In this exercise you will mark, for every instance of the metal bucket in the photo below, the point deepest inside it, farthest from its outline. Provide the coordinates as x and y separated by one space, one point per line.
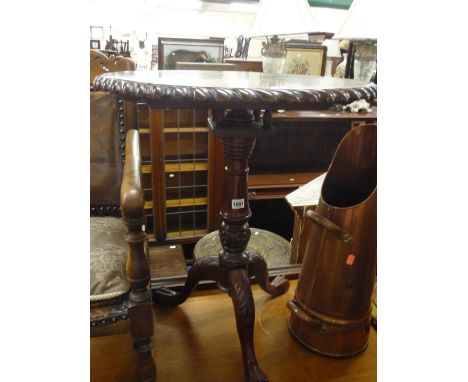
331 310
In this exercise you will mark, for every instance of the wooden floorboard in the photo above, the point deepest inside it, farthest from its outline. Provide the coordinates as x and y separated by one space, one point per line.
197 341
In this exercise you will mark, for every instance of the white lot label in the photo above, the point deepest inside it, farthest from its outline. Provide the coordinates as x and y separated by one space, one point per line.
237 204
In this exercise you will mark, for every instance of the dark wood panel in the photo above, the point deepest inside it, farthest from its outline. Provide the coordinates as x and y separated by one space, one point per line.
246 65
277 186
218 173
156 127
287 180
167 261
185 145
145 147
272 214
306 146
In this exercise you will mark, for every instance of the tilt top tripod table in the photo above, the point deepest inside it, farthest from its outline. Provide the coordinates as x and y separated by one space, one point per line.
236 99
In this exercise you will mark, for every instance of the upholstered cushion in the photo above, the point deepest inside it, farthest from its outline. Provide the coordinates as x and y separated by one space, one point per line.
108 258
275 250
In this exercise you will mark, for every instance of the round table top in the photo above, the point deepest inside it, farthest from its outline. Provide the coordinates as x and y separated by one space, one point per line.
232 89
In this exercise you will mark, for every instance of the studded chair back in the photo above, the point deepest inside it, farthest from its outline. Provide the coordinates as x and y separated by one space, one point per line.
110 118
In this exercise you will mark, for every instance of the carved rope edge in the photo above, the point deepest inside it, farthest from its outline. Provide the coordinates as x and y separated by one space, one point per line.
155 92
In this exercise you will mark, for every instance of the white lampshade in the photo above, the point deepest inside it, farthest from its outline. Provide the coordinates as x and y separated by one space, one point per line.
333 48
360 22
281 17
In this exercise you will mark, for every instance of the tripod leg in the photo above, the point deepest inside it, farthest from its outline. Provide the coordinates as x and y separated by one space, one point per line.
205 268
244 308
258 267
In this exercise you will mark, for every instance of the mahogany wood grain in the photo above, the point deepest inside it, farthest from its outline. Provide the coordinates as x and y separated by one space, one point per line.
218 173
137 270
157 154
213 207
190 335
202 89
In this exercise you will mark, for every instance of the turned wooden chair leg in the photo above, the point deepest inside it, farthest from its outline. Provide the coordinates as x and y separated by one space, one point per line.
244 308
140 311
141 328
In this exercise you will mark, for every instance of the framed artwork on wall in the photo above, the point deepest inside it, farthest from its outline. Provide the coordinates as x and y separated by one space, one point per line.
97 32
95 44
173 50
305 58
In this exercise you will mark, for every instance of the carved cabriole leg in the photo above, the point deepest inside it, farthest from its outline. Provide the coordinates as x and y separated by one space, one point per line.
244 308
139 305
206 268
258 268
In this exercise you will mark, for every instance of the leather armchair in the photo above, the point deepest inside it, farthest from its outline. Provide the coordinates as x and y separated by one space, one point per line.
119 267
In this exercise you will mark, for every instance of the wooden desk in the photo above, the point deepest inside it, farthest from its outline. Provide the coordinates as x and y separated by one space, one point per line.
187 339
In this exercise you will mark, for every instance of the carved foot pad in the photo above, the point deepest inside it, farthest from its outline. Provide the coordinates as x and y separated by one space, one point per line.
161 295
280 285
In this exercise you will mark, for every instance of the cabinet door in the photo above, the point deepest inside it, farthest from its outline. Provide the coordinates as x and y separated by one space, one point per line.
180 161
146 165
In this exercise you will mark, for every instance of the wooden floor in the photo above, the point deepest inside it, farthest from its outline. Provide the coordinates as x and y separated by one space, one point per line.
197 341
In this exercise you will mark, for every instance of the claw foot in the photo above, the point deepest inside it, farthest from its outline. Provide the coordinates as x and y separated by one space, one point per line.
163 295
164 291
280 284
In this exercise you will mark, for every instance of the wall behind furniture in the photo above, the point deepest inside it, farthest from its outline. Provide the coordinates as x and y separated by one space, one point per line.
189 18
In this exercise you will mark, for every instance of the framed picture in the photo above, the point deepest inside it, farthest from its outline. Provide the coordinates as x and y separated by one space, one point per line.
173 50
305 58
97 33
95 44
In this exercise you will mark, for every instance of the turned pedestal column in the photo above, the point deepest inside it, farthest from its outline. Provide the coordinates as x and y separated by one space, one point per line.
234 265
